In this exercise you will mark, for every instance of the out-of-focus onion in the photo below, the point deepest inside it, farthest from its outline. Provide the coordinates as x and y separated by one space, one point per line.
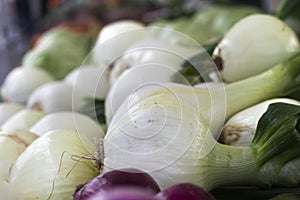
21 82
23 120
93 80
7 110
115 38
12 144
57 96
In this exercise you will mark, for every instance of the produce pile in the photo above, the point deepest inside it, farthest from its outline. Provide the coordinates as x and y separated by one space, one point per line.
163 111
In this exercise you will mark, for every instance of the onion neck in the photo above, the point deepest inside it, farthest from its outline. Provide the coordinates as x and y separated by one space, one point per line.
270 84
231 166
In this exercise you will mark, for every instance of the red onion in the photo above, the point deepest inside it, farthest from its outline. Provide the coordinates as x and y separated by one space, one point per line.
184 191
123 177
124 193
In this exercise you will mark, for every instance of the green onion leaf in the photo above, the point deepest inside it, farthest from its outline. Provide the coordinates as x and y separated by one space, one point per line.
277 131
286 8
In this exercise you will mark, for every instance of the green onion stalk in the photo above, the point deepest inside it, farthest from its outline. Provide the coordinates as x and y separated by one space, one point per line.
167 132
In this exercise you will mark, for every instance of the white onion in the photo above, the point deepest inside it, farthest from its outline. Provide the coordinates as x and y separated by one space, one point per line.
6 191
240 129
89 131
12 144
93 80
131 80
21 81
115 38
152 50
7 110
23 120
149 61
57 96
253 45
52 167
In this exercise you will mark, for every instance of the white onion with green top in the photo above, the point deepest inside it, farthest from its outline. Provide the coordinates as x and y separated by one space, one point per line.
170 131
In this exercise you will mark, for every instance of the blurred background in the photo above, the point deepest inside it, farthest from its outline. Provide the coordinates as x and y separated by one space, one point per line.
22 20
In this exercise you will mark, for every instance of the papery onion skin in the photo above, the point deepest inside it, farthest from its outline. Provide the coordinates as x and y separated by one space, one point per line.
117 178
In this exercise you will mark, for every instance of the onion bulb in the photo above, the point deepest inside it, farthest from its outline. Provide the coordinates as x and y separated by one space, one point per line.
23 120
21 81
56 96
12 144
253 45
131 80
116 179
152 50
93 80
89 131
115 38
184 191
240 129
52 167
149 61
7 110
124 193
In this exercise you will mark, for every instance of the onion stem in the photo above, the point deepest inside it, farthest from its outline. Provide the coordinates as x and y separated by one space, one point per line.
270 84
